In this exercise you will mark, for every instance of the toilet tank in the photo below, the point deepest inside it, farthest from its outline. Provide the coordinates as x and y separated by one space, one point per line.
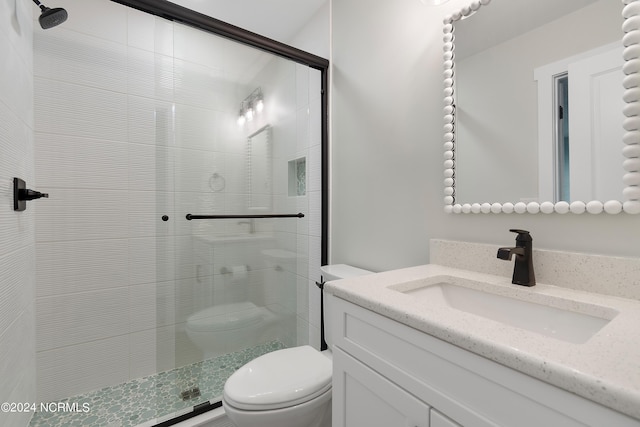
336 272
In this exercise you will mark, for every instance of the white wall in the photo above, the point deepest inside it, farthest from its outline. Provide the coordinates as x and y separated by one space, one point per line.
383 102
17 259
387 180
314 35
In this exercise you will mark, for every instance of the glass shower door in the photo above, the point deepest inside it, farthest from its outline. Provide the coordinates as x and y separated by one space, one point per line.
238 279
140 312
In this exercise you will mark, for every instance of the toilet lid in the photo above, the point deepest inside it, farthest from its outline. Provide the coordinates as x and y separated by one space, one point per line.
225 317
279 379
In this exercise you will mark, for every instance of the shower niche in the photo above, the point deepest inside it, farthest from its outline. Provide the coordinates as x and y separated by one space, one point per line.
298 177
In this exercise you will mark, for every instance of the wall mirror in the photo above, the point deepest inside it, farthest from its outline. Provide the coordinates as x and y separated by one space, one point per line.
541 107
259 166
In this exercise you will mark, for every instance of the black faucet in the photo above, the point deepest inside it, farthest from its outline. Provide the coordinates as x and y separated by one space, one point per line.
523 268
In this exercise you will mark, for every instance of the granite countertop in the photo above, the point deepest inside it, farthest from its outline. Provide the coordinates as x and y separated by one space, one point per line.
604 369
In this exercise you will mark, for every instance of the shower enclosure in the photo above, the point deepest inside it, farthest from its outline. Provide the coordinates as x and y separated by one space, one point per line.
186 221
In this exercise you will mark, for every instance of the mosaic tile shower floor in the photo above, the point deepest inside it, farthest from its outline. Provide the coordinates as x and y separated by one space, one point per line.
152 397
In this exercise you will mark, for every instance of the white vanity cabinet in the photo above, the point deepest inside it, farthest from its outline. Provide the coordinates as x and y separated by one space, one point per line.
387 374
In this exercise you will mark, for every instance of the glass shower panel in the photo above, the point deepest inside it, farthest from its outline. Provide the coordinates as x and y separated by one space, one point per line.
240 285
140 311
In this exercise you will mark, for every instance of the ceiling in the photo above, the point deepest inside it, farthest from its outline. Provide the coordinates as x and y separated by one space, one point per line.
504 20
277 19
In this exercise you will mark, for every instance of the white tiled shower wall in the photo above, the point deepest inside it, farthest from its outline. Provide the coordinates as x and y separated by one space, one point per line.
110 134
17 281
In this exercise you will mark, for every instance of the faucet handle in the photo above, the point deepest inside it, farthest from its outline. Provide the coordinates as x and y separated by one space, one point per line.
523 235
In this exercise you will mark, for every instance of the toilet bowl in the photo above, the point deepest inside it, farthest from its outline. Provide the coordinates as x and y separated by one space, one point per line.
226 328
286 388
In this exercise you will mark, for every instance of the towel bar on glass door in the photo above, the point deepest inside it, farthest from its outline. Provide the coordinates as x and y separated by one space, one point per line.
190 216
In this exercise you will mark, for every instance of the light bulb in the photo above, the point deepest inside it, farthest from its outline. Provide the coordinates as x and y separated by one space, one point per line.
259 105
241 120
249 114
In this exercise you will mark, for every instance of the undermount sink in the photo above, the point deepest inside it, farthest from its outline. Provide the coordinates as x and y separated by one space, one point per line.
559 323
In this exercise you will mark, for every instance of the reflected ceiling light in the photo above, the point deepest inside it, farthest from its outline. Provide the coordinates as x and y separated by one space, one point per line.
250 106
433 2
241 119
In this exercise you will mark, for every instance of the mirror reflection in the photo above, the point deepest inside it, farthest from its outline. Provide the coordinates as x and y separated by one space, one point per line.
538 102
259 170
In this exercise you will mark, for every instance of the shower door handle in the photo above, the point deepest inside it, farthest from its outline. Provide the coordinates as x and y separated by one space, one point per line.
191 216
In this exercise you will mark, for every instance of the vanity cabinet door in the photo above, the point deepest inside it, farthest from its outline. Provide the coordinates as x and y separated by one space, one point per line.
362 397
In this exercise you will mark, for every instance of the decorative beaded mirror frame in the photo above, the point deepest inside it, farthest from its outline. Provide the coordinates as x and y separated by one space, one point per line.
631 125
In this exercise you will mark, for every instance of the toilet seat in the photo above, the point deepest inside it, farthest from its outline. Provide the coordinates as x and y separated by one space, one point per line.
279 379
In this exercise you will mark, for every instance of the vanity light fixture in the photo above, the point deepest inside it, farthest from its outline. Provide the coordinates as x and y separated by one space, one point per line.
250 106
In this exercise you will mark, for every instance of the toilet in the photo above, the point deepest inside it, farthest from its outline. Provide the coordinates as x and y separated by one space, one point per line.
289 387
225 328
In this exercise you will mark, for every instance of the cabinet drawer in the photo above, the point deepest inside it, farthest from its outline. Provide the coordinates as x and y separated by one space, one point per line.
469 389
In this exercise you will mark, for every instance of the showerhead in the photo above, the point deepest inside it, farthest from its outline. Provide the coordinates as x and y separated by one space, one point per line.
49 18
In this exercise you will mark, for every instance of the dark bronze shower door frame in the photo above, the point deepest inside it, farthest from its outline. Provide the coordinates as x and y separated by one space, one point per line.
177 13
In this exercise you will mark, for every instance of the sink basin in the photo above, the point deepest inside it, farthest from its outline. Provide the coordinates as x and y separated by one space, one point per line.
234 238
562 324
